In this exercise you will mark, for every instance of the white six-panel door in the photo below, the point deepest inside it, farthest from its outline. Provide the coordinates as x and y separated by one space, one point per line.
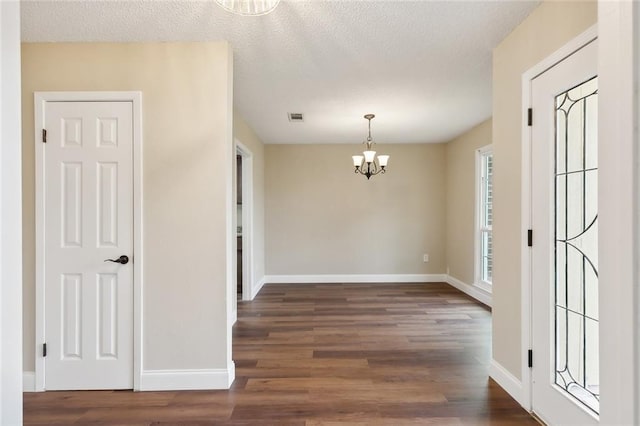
88 218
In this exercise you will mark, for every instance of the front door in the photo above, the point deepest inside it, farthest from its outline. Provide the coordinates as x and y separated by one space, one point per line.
564 146
88 245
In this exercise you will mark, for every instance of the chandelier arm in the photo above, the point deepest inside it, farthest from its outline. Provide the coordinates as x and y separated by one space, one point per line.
367 173
372 169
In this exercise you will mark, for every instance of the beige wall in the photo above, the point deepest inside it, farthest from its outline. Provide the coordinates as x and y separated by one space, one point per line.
461 199
321 218
187 154
245 135
548 28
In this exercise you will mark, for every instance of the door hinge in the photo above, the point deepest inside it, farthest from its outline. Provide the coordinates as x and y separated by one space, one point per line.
530 237
44 135
44 349
530 117
530 358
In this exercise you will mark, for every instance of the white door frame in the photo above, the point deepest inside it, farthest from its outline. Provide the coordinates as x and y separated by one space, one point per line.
580 41
10 216
247 220
40 100
618 211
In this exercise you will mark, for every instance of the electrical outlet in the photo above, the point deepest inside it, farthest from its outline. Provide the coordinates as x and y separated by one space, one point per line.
425 258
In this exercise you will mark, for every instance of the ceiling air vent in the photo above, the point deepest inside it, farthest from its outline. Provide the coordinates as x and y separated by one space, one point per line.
296 117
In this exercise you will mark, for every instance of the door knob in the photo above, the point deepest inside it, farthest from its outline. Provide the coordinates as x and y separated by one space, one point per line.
122 259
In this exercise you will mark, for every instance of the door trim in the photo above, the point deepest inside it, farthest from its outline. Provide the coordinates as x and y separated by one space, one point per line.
248 279
526 203
40 101
618 105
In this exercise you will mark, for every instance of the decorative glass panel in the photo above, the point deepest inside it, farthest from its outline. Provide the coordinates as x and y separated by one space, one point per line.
576 243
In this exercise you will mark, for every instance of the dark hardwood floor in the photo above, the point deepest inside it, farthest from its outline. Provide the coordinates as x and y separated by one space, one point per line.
331 354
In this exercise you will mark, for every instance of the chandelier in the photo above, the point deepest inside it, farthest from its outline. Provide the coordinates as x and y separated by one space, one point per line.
248 7
374 165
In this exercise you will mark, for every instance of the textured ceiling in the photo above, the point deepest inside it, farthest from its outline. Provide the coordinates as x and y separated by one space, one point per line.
423 67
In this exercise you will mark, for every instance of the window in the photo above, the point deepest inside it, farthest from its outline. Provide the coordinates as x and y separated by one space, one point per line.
484 218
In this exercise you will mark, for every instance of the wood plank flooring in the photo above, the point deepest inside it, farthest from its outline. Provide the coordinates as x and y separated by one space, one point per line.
330 354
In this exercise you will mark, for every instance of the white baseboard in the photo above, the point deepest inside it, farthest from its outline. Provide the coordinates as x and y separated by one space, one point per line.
507 381
28 381
476 292
354 278
160 380
234 316
157 380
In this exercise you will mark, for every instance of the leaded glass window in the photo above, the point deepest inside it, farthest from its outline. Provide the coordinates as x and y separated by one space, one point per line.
576 243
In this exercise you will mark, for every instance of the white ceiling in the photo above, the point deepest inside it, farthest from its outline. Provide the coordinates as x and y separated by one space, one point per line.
423 67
